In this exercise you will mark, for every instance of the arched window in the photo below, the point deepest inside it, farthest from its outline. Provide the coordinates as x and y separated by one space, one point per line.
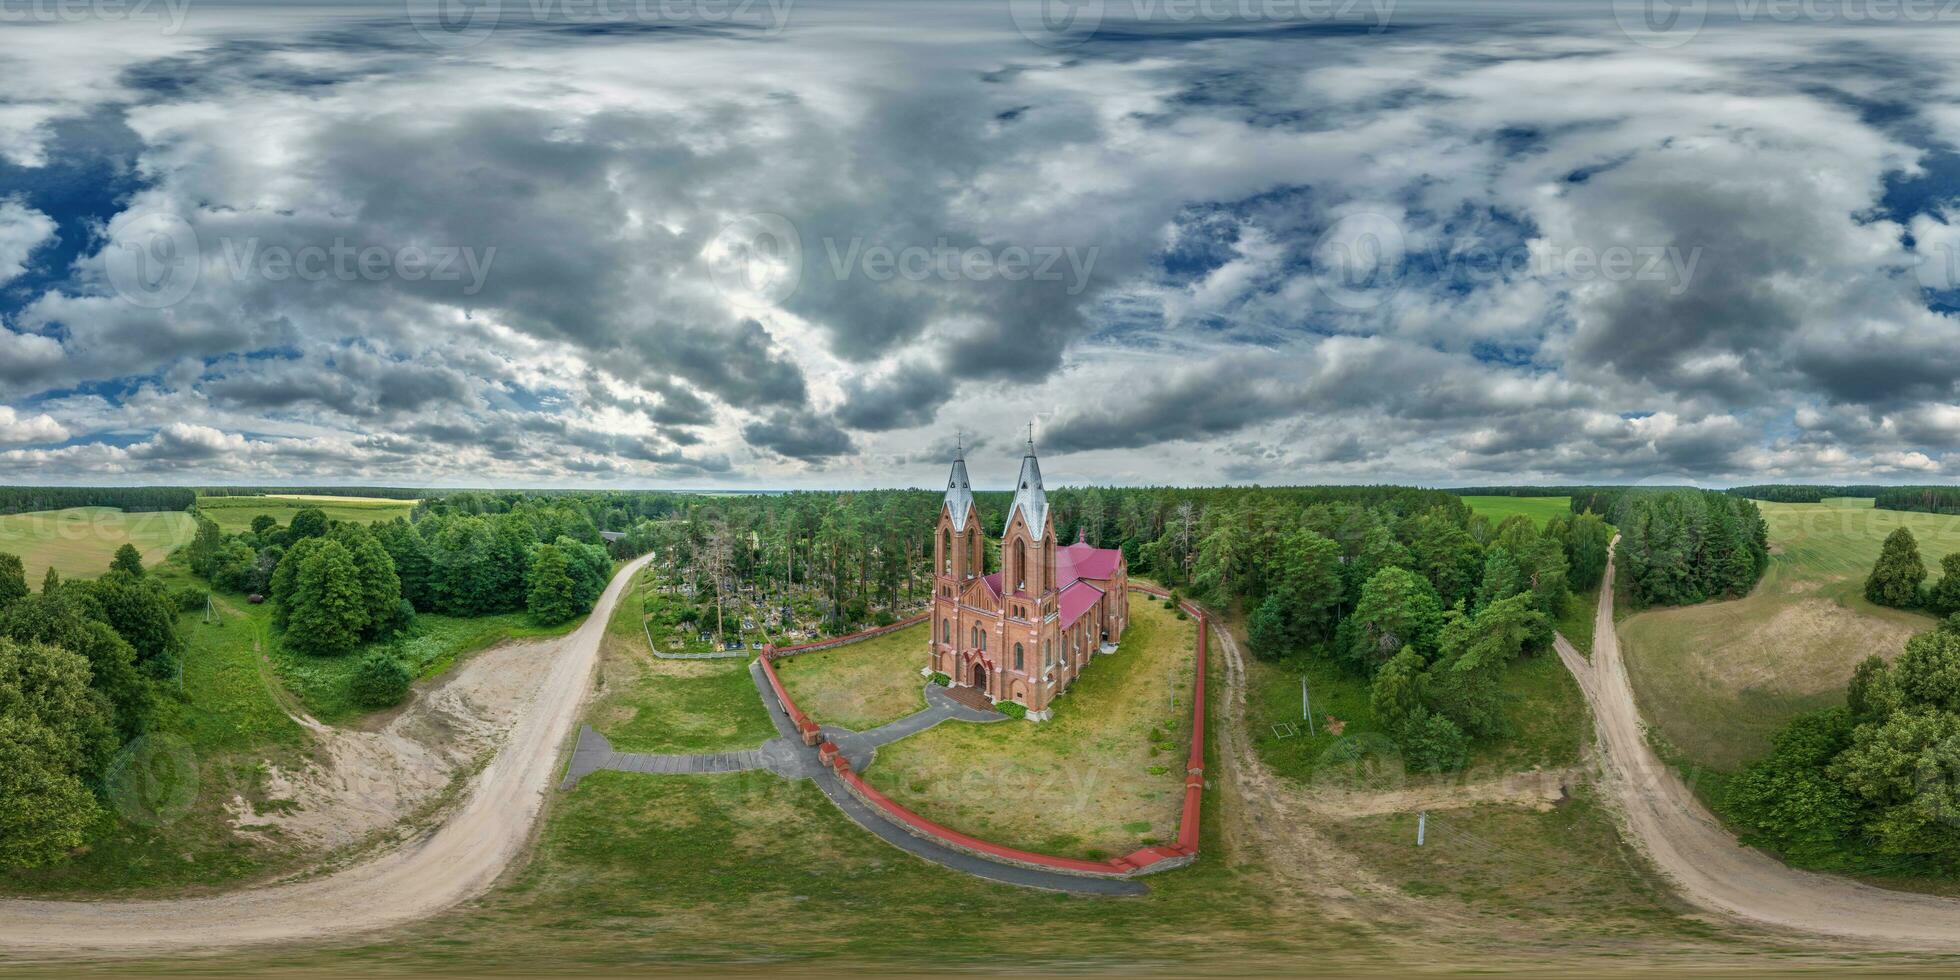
975 641
983 641
1020 571
1018 665
1047 652
946 631
946 551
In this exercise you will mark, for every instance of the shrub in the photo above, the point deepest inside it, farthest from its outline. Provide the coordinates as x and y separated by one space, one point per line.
380 681
1432 743
942 680
190 598
1012 709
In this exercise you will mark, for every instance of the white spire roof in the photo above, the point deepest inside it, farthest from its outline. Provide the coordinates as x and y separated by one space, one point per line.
959 493
1029 496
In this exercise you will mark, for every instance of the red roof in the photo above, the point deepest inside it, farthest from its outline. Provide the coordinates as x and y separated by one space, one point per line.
1083 561
1078 598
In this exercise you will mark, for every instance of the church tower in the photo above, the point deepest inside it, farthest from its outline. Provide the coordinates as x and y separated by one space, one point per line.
1027 544
958 552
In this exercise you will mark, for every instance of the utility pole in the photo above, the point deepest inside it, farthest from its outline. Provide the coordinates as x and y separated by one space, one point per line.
1306 705
1422 825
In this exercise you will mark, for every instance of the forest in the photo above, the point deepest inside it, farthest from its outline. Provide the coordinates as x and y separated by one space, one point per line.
23 500
1679 547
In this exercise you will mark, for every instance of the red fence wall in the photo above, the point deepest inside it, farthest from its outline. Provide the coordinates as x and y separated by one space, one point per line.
1159 858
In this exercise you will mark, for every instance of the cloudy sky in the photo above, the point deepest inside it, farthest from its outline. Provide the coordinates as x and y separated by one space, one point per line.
742 243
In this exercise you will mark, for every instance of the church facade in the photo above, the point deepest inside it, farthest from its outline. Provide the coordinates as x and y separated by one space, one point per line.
1023 633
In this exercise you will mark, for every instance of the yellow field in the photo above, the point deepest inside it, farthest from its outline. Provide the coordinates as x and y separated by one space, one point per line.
235 513
80 541
1101 778
1718 679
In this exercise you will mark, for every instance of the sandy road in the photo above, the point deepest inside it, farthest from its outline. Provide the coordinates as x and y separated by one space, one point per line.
1705 861
456 862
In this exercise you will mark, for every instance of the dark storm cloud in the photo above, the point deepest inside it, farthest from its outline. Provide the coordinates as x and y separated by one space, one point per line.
799 436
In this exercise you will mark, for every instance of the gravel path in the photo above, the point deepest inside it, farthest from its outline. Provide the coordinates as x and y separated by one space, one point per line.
457 861
1704 860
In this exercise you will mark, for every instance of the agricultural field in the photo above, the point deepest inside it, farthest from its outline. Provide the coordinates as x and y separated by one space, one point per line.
1716 680
80 541
235 514
1105 775
1539 509
863 685
645 704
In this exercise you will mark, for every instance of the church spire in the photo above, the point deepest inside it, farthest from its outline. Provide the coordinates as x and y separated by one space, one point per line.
1029 496
959 492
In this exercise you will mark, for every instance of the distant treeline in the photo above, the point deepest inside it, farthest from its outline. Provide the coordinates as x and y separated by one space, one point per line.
1930 500
21 500
1807 493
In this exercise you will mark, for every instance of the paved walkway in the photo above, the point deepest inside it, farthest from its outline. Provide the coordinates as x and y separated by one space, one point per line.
788 757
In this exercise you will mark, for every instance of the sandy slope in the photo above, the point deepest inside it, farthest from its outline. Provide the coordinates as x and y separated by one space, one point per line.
458 861
1707 864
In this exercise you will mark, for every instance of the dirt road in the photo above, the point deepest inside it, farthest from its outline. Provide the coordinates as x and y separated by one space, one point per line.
456 862
1705 861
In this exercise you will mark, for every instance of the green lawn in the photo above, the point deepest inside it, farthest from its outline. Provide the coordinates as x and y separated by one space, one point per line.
1539 509
646 704
863 685
227 719
1718 679
80 542
235 514
1105 775
1565 870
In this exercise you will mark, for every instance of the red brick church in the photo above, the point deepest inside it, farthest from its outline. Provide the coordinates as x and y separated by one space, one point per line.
1026 632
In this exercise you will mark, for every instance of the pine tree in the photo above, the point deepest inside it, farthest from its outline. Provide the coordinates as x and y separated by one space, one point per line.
51 581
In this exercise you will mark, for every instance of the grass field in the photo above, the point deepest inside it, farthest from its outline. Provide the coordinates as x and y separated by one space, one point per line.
1539 509
225 718
235 514
1718 679
645 704
1104 775
863 685
80 542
